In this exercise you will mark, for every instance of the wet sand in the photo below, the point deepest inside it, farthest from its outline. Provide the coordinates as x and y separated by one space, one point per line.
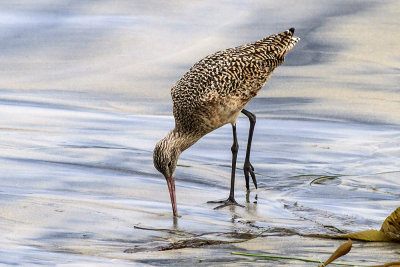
78 186
85 96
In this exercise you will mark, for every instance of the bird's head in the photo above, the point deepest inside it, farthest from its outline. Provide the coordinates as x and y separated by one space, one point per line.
165 158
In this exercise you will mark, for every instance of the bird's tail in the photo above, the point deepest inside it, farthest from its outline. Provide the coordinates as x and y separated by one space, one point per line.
280 44
293 41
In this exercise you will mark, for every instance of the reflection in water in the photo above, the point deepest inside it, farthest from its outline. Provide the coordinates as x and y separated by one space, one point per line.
175 219
66 169
77 173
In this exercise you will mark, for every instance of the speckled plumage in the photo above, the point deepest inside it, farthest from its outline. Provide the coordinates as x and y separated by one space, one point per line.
215 90
213 93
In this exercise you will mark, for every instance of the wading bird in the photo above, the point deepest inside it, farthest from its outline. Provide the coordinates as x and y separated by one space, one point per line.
213 93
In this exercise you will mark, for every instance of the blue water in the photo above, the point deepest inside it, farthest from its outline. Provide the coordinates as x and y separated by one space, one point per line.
85 97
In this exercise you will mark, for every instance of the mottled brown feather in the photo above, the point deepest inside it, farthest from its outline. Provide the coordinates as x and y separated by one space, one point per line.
214 91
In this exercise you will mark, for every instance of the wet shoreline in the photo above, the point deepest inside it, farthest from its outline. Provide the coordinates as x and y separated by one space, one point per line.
85 95
66 170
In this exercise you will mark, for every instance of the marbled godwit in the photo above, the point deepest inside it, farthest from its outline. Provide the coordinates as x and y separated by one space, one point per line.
213 93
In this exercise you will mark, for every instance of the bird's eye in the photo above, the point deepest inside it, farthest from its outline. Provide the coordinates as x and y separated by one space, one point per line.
169 164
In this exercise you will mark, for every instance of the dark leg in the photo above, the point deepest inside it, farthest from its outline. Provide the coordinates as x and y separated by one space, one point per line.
248 168
231 199
234 149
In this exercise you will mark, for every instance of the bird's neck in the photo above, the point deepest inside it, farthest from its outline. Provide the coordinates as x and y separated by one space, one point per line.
182 140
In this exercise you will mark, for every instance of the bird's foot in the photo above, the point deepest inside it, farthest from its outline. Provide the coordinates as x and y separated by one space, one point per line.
224 203
248 170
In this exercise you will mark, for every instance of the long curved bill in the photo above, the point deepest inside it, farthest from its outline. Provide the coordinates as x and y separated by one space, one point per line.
171 188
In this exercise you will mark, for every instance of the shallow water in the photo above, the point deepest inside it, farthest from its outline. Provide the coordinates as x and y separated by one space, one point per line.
76 182
85 98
